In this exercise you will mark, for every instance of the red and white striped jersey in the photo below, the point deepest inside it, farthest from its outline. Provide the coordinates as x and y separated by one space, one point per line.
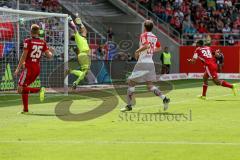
148 38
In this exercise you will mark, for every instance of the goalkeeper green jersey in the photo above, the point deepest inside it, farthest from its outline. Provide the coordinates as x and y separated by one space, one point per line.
82 43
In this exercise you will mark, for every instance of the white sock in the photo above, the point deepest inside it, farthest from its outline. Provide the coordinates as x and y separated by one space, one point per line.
130 92
157 92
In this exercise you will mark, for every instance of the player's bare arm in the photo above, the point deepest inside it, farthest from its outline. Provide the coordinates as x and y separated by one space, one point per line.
83 31
139 50
157 50
49 53
192 60
72 24
21 62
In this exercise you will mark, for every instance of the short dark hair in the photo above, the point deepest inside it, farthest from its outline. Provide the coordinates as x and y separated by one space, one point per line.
148 24
200 43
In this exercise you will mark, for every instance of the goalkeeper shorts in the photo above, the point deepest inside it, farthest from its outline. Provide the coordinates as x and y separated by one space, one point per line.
84 60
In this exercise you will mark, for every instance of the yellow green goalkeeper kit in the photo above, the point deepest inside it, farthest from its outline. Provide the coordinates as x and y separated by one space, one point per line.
83 58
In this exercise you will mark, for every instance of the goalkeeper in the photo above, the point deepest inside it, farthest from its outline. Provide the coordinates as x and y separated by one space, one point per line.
82 51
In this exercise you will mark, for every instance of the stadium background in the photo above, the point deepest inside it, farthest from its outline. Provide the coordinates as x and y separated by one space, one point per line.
178 25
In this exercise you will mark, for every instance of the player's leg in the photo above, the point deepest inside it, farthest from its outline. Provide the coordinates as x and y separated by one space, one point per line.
85 62
23 80
27 77
163 69
24 99
226 84
222 83
168 69
213 72
151 87
204 86
32 77
130 92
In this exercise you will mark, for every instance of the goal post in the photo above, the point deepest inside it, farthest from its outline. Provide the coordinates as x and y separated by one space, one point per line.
54 29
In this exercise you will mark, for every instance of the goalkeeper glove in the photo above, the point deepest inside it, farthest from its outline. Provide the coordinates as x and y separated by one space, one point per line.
79 22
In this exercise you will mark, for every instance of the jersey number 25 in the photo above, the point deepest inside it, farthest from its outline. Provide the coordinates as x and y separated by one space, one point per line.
37 51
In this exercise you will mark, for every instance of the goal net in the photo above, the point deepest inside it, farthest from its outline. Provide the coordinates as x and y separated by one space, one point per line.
14 28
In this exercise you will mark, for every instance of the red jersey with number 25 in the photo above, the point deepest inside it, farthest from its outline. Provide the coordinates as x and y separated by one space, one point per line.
35 48
205 54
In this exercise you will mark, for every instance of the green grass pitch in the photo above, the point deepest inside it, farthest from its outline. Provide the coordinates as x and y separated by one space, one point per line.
212 133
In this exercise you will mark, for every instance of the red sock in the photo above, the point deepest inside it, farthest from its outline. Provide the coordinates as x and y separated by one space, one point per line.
204 91
226 84
25 102
30 90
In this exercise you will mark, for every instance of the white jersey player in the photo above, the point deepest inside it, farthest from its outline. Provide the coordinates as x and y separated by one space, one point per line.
144 70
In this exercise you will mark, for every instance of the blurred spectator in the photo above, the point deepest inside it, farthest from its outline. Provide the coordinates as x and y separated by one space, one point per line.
210 16
185 8
178 3
211 4
180 14
168 12
228 3
159 10
220 4
110 34
197 37
176 22
231 41
147 4
226 30
186 23
236 31
207 40
219 25
202 28
237 22
100 52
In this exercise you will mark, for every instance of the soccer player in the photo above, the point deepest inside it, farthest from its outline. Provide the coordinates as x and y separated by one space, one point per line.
207 56
144 70
33 50
82 53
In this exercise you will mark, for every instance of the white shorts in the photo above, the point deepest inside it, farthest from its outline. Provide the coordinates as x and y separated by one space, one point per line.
143 72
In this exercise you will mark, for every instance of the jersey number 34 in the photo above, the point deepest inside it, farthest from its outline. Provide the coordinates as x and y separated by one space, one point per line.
207 53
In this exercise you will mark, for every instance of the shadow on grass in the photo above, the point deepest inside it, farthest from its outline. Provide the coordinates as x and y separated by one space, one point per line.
14 100
225 100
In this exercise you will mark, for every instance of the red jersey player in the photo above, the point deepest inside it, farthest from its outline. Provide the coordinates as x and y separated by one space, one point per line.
34 48
207 56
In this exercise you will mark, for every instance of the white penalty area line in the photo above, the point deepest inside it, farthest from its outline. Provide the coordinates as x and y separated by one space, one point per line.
119 142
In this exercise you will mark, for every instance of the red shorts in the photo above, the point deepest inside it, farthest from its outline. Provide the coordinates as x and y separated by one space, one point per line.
29 75
211 71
